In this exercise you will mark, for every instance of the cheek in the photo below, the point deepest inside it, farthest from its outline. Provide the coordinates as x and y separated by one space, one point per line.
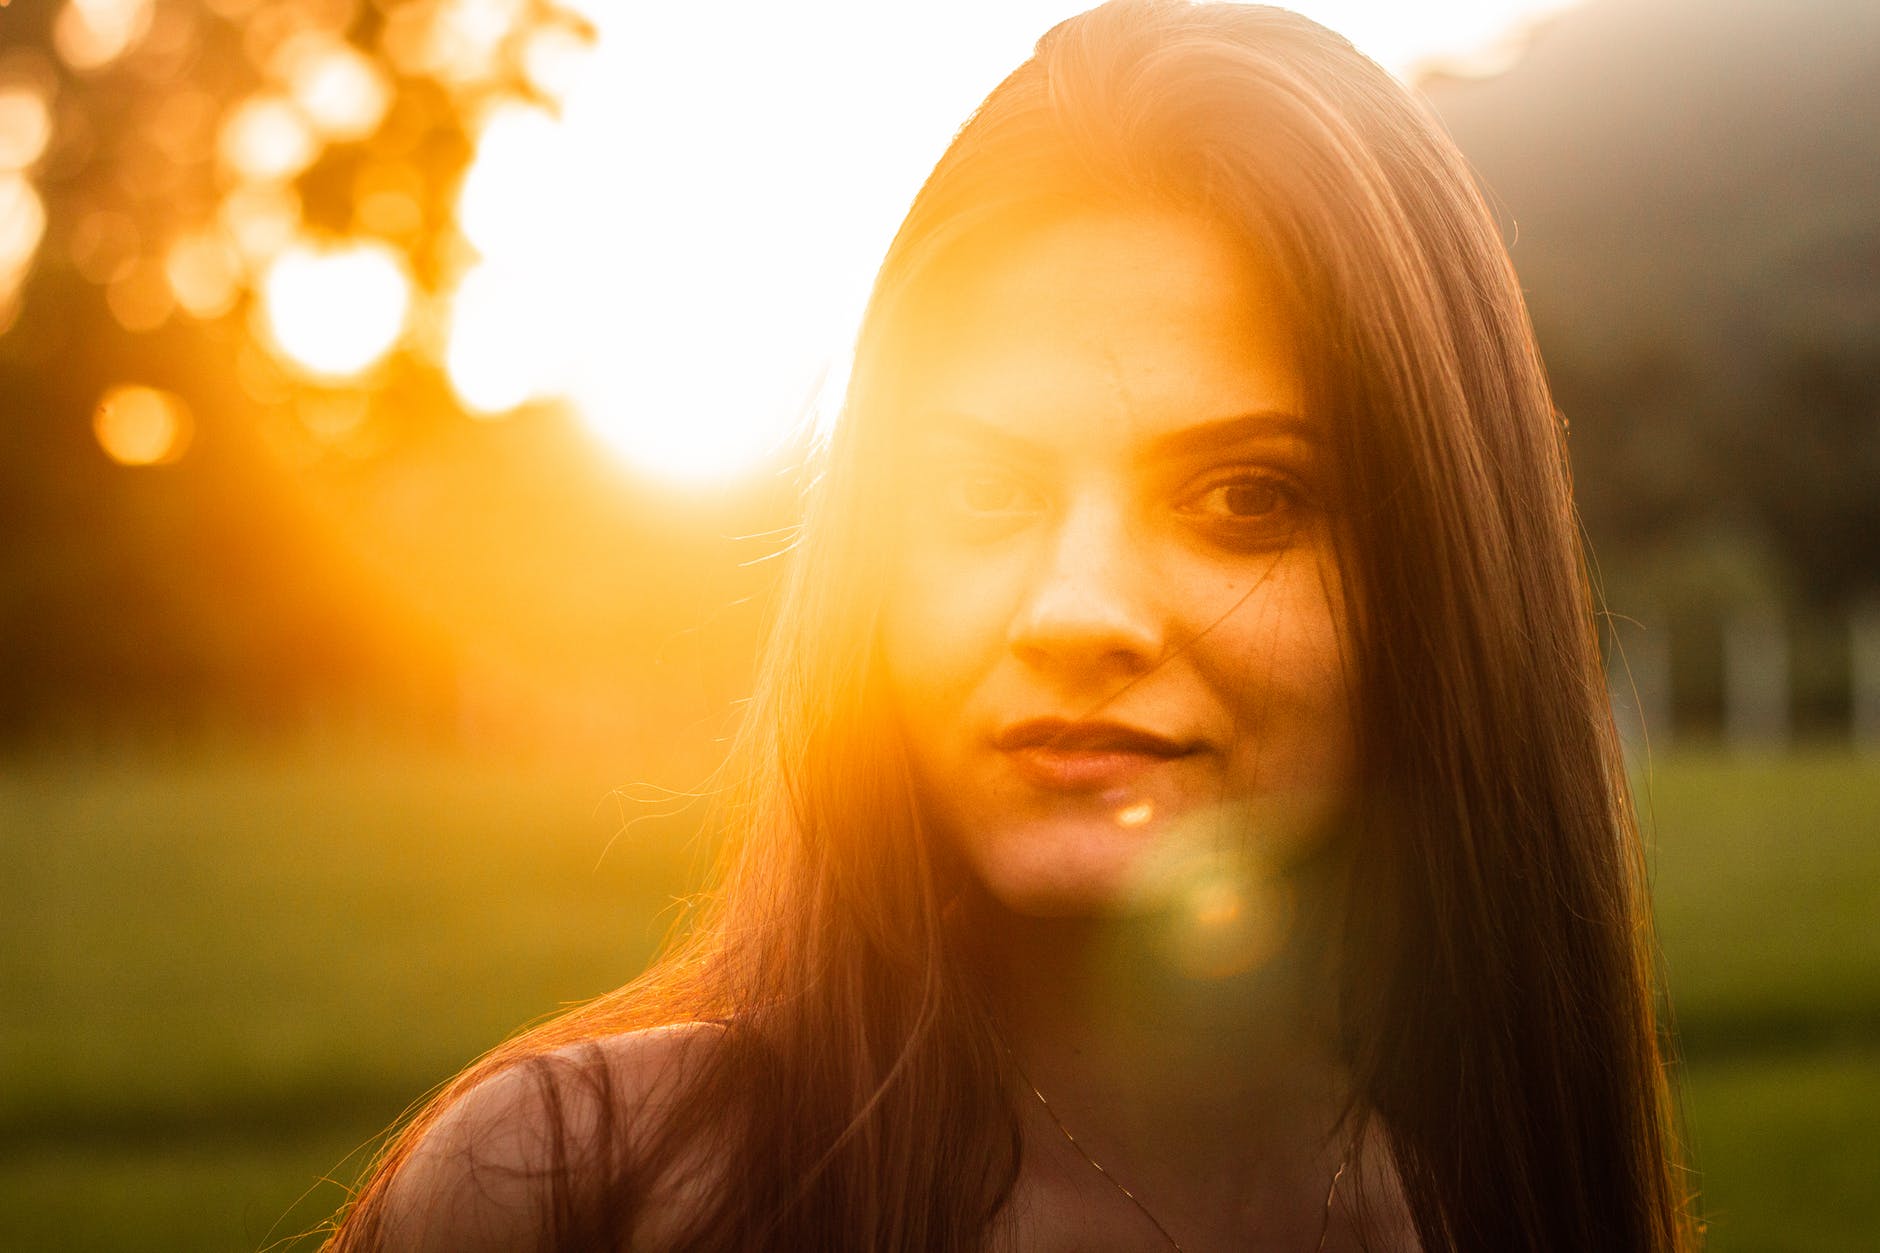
1282 664
943 627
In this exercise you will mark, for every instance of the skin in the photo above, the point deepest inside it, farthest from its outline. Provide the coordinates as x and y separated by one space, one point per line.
1116 512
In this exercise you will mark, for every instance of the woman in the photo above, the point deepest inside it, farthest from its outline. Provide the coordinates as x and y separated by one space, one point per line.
1180 808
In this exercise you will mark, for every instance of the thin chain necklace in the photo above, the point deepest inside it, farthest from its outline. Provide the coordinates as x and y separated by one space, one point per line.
1331 1193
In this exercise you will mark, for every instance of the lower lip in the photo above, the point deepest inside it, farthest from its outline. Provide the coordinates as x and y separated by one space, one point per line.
1082 770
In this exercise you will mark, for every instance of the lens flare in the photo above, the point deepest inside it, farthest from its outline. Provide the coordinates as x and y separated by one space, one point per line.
141 426
335 311
1230 921
1136 814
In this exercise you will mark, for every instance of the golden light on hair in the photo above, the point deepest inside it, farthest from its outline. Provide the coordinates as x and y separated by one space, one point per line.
335 311
204 273
339 90
25 125
141 426
90 34
265 138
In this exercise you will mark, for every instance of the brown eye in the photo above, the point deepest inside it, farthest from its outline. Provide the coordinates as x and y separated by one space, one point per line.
1248 508
1248 498
1252 498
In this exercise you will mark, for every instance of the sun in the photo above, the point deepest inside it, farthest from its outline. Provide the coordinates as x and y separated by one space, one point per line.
678 244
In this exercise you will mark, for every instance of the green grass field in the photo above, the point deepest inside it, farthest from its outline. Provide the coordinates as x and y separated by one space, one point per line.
223 976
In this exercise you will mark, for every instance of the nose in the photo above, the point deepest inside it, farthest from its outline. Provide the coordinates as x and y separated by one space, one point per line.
1087 612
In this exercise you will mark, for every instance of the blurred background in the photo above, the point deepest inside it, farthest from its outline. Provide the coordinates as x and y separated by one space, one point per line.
400 407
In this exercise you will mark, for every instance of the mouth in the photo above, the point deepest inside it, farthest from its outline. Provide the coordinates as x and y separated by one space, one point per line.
1062 755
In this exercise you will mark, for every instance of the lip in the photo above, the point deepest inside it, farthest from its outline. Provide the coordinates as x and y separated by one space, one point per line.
1084 756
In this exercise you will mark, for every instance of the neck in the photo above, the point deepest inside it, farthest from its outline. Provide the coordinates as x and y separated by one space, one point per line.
1196 1073
1129 1004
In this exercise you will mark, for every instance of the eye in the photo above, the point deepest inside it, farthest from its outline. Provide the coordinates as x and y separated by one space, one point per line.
978 501
1248 495
1248 498
1248 506
984 492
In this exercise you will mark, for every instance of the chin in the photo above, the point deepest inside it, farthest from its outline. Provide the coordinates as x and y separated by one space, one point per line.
1095 878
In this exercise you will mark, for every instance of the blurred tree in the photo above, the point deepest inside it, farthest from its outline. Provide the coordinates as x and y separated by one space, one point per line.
189 143
1689 192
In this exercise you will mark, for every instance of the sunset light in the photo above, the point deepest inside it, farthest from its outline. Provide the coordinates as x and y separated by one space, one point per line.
661 222
680 241
1197 756
336 311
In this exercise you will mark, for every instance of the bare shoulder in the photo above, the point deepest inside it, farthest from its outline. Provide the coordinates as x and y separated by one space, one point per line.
492 1172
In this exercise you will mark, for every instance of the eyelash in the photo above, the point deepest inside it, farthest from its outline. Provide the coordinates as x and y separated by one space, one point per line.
1291 494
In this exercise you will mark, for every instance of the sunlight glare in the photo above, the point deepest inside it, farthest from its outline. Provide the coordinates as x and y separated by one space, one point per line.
336 310
699 221
1459 36
501 352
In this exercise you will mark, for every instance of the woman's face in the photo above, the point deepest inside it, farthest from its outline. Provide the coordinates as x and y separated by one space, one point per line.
1114 632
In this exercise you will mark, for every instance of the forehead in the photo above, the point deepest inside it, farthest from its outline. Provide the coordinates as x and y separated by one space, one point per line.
1101 328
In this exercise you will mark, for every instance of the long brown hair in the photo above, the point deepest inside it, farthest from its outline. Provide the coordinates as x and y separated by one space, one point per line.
1496 990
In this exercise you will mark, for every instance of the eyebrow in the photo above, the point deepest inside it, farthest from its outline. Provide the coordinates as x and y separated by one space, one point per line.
1196 440
1241 428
